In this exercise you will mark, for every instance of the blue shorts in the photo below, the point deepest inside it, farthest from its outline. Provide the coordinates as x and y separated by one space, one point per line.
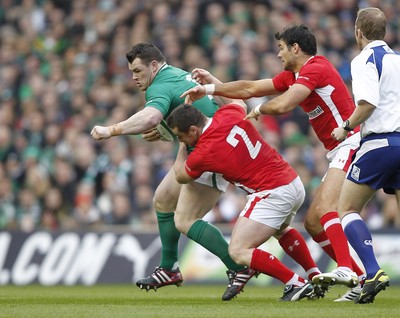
377 162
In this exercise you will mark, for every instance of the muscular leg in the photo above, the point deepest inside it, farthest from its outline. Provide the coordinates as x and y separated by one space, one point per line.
352 201
167 193
321 211
195 200
165 200
294 244
325 200
247 235
190 202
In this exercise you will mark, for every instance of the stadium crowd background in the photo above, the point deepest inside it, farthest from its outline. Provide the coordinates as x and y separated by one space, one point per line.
63 69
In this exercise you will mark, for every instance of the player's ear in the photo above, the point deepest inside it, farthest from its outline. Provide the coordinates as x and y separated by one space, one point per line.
359 34
194 130
154 66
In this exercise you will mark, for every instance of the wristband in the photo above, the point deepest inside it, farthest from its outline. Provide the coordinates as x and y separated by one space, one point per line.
209 89
115 130
257 109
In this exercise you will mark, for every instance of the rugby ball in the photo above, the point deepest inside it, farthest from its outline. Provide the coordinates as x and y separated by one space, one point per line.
165 133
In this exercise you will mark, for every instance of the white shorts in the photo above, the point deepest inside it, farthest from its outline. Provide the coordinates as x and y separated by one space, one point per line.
341 156
213 180
277 206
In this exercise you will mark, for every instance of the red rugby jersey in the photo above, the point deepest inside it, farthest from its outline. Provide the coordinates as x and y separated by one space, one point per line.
329 103
234 148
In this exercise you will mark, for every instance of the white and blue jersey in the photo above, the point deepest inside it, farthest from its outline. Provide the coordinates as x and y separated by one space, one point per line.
376 80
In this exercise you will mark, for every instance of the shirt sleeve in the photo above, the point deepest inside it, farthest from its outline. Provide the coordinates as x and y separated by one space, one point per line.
159 98
200 160
281 81
365 82
309 76
193 165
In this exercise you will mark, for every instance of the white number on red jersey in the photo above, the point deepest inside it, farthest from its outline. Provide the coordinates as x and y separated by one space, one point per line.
232 140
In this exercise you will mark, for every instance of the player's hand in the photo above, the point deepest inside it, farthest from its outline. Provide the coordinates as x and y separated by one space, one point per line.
202 76
100 132
194 94
339 134
151 135
252 114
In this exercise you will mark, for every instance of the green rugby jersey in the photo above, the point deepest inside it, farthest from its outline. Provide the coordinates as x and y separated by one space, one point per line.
170 82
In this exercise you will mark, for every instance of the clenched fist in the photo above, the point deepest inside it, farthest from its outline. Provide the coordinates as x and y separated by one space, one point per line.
100 132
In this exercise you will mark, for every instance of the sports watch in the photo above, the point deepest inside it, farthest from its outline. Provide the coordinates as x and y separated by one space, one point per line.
346 125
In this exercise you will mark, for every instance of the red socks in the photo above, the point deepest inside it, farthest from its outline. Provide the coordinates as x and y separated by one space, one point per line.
294 244
268 264
339 245
325 244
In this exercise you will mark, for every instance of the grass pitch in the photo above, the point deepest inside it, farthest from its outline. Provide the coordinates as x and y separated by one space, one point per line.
189 301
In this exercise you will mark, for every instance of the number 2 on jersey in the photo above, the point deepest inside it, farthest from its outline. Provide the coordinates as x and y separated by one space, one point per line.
232 140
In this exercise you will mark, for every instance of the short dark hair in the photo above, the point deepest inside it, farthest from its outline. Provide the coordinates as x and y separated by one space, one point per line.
184 116
147 52
301 35
372 23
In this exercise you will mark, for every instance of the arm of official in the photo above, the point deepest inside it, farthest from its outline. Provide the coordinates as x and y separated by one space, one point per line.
362 112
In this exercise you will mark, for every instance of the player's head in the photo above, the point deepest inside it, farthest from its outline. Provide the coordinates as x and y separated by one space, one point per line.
187 123
144 60
370 25
147 52
301 35
293 42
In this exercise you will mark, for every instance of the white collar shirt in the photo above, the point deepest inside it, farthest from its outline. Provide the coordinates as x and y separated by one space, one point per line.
376 79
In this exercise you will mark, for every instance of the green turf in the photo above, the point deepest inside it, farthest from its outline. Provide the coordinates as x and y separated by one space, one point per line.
189 301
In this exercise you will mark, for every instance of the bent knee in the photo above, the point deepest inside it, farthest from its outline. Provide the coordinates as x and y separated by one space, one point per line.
164 202
183 223
312 224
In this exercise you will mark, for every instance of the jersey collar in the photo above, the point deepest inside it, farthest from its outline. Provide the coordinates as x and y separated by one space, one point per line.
207 124
163 67
296 75
374 43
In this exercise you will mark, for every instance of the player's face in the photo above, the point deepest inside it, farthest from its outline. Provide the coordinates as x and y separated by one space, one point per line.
142 74
190 138
286 55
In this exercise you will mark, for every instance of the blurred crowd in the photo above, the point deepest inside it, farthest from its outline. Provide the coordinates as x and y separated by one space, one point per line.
63 69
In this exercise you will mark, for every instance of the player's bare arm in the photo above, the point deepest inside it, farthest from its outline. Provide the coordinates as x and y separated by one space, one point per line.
138 123
179 165
362 112
203 77
282 104
237 90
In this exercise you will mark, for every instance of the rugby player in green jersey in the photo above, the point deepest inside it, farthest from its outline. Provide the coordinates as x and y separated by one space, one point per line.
179 208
